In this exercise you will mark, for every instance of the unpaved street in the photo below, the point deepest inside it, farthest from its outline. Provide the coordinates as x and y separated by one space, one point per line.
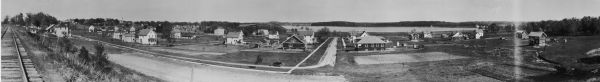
180 72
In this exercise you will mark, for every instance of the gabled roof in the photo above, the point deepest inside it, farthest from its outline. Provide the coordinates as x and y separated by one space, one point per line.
458 34
371 39
537 34
356 33
293 37
306 33
144 32
233 35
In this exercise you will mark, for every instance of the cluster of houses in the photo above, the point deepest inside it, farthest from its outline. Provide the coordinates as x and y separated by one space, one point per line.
263 37
185 31
57 30
362 41
132 34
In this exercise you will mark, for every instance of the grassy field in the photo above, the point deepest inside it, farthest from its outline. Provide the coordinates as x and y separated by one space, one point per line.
231 53
566 54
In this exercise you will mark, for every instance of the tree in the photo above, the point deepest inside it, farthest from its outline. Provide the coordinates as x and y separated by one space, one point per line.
100 59
83 55
6 20
323 34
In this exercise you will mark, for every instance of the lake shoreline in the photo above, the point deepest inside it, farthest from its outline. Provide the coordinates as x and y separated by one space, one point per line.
383 29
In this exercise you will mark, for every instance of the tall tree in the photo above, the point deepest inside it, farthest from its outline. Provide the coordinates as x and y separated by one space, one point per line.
6 20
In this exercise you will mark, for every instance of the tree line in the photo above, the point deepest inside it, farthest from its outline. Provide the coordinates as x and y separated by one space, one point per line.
35 19
401 24
566 27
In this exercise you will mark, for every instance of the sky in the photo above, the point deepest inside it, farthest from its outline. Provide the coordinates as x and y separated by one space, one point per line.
308 10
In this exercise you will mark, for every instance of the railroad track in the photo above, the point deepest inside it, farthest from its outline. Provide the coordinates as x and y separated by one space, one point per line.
16 66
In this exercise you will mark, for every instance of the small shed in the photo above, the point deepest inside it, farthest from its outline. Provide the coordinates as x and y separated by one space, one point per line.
537 38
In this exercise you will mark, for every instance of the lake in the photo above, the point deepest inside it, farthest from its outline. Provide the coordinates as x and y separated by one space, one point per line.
383 29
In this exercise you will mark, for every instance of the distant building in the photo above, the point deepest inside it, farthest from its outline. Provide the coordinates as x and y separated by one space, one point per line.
274 35
147 36
176 33
262 32
356 34
416 36
117 35
293 42
479 33
62 32
219 31
459 36
368 43
427 34
308 36
188 35
92 28
538 38
522 34
131 30
129 37
234 38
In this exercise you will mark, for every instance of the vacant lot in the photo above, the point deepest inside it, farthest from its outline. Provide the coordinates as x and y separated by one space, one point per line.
404 58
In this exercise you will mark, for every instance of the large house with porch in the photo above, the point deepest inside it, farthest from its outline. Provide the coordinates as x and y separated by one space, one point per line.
146 36
308 36
356 34
370 43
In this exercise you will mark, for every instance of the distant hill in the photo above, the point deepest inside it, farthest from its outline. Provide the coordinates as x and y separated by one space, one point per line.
407 24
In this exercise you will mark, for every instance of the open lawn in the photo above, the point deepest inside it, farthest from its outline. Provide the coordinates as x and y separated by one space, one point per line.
225 53
404 58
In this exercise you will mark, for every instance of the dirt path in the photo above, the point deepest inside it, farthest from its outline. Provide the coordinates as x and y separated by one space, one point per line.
181 72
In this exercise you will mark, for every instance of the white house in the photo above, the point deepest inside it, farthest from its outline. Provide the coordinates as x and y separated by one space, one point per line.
146 36
262 32
91 28
117 35
459 36
129 37
131 30
427 34
62 32
308 36
479 33
273 35
176 33
219 31
234 38
116 28
416 37
357 34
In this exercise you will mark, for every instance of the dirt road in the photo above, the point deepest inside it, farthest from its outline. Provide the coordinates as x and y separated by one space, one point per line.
181 72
